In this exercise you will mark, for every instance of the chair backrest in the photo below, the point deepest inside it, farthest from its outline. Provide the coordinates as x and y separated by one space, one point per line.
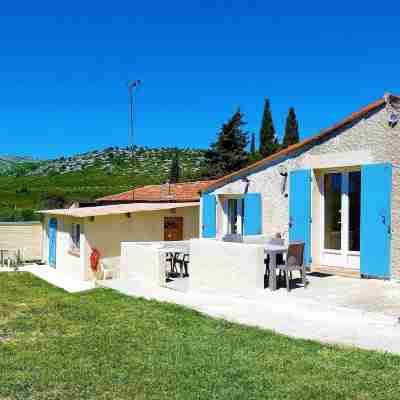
233 238
295 254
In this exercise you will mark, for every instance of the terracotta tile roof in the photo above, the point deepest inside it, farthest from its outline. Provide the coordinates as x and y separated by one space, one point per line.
311 140
178 192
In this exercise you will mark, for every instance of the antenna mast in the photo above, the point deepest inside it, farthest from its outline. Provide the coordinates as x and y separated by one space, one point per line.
132 85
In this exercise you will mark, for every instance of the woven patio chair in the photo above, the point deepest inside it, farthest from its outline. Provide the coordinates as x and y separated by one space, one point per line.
294 262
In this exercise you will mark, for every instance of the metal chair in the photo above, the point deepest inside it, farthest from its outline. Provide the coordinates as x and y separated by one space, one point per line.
183 261
294 262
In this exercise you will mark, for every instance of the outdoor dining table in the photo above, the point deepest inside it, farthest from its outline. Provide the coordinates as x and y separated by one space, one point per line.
273 250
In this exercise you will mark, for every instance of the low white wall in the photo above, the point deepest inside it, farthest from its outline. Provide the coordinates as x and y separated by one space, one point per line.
235 267
143 262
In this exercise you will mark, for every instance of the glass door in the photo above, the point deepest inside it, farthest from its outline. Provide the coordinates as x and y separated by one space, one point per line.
341 219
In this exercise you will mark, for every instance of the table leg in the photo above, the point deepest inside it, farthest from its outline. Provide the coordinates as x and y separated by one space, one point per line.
272 271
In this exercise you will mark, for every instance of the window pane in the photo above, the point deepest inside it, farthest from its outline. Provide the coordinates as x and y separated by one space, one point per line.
333 211
232 216
354 210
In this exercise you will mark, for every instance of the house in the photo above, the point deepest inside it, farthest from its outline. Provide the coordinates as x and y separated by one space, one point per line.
149 213
337 191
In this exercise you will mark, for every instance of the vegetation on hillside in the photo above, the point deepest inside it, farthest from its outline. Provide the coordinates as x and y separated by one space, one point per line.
89 176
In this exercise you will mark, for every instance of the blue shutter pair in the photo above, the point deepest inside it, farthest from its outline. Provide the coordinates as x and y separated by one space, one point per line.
375 229
252 215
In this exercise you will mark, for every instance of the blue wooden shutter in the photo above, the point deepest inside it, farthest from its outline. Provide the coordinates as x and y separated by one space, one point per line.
376 189
300 210
209 204
52 242
252 214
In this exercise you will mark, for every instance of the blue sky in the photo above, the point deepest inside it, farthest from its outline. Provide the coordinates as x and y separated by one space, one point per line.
64 68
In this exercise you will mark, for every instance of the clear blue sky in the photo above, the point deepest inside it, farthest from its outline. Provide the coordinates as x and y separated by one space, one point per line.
64 68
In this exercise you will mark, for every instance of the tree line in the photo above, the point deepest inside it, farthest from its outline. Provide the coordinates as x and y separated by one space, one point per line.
230 152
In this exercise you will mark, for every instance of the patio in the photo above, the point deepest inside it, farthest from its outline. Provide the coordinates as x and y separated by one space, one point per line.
362 313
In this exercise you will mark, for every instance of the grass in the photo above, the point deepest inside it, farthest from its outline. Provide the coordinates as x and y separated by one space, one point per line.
103 345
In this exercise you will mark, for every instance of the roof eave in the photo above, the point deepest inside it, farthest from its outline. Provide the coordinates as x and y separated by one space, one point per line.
298 146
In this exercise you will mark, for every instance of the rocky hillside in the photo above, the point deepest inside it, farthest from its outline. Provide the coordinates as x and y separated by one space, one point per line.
28 185
10 163
143 161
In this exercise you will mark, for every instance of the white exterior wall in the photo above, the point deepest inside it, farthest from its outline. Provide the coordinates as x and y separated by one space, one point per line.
369 140
142 262
67 263
235 267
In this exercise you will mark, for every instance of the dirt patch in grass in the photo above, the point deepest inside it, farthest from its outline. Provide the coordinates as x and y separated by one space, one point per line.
6 336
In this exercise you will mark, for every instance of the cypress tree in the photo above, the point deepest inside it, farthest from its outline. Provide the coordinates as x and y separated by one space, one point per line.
291 129
253 144
268 140
228 153
175 172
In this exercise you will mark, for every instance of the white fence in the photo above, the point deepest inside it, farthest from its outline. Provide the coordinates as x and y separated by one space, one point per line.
22 235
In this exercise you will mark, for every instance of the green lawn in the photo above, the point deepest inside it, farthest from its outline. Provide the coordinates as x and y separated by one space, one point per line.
103 345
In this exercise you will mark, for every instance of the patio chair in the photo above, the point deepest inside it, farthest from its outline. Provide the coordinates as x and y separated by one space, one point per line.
294 262
183 261
106 271
170 258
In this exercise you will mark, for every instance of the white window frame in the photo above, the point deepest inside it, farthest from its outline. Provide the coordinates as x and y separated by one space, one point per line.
344 257
75 237
240 216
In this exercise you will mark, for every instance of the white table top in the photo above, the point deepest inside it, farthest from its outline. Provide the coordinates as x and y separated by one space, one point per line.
275 248
174 249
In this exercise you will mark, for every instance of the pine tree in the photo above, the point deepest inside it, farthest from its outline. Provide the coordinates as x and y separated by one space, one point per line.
175 172
228 153
291 129
253 144
268 140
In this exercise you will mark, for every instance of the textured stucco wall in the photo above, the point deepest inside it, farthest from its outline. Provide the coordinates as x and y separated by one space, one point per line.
369 140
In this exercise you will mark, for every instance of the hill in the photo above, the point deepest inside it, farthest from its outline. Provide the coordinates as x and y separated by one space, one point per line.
28 185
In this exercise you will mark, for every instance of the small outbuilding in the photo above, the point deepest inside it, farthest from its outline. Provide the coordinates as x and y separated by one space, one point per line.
167 212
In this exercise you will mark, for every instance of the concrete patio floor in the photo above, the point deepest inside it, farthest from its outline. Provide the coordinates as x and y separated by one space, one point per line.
336 310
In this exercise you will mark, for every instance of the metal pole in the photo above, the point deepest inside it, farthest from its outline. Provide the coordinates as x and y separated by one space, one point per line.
131 86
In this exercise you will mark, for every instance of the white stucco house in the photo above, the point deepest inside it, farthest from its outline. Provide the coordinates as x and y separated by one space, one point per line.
168 212
337 191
